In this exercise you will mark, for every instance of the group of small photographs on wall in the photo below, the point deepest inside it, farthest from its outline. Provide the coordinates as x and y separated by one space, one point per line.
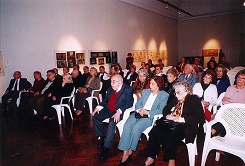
102 56
80 58
69 58
61 59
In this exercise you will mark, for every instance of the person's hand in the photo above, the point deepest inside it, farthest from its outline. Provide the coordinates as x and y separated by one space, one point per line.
86 86
96 110
143 112
171 117
226 99
37 93
31 91
116 117
205 103
53 98
50 94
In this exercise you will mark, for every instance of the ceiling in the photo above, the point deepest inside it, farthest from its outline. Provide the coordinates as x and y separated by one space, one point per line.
197 8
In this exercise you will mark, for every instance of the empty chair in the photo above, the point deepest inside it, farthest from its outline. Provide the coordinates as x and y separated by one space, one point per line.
232 117
64 102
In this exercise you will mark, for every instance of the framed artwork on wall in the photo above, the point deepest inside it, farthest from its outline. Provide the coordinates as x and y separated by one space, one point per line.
102 53
80 58
209 52
2 72
71 58
101 60
93 61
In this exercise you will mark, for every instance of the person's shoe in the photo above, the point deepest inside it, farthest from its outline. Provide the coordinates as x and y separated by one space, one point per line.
78 112
153 164
127 161
102 141
104 153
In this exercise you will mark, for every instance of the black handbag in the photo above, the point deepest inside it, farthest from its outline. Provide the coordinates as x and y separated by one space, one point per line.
167 125
137 115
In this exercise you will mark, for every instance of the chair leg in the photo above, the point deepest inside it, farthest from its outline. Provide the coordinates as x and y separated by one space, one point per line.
70 112
62 111
58 110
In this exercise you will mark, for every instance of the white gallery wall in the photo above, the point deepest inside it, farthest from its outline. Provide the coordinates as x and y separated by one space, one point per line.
31 30
215 32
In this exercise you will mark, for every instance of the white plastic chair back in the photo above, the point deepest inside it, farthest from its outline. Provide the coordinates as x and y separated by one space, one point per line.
90 99
232 117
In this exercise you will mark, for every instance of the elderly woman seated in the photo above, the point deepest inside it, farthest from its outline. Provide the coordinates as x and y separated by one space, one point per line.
93 83
234 94
185 113
151 103
141 83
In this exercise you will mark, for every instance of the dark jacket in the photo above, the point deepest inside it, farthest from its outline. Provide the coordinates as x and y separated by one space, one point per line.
192 112
124 100
133 77
23 84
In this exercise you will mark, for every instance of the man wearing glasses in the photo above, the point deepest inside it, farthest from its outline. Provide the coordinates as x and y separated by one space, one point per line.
118 99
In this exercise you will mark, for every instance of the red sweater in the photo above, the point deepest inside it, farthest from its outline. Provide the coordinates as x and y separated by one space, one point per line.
112 102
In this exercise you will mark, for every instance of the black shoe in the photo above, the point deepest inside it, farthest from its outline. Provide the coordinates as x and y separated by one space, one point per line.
102 141
104 153
127 161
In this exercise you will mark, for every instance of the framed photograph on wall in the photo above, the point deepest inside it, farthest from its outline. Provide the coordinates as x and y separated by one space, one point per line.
101 60
71 58
80 58
60 56
61 64
92 61
2 72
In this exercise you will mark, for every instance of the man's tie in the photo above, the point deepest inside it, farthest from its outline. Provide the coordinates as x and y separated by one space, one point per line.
186 77
15 86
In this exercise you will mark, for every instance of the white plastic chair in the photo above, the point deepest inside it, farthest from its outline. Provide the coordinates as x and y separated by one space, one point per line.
191 147
90 99
232 117
126 115
132 83
64 102
218 102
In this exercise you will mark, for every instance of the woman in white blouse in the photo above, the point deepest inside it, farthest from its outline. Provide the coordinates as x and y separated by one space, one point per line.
206 91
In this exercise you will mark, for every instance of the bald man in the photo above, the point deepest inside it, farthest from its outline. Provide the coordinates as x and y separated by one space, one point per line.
119 98
188 77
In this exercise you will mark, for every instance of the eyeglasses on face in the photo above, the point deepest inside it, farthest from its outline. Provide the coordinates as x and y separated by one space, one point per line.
114 81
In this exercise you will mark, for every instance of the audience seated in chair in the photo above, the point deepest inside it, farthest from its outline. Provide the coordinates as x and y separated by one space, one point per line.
221 80
187 112
207 92
37 87
158 72
77 79
131 75
92 83
234 94
188 77
52 86
55 97
118 99
152 102
172 76
85 75
141 83
16 85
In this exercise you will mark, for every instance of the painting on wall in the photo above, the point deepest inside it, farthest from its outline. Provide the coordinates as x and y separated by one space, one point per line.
139 55
163 54
80 58
209 52
153 55
60 56
71 59
61 64
2 72
92 61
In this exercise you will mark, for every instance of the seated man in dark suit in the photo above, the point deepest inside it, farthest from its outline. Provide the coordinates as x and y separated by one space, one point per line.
118 99
16 85
52 86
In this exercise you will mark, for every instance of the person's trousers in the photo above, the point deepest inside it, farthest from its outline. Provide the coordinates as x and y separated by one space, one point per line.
168 139
37 103
132 131
99 127
11 95
80 100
